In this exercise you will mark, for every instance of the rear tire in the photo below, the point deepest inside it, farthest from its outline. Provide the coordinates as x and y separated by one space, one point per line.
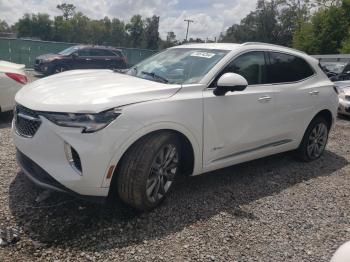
314 141
148 170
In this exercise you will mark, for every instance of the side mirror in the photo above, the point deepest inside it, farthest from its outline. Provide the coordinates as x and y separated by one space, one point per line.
230 82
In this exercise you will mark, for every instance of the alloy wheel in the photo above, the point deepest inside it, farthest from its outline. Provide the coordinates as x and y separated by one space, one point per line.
162 173
317 140
59 69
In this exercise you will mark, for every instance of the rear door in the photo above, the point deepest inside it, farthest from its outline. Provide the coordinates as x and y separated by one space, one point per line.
295 91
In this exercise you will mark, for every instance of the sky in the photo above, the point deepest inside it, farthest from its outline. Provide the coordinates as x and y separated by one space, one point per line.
210 17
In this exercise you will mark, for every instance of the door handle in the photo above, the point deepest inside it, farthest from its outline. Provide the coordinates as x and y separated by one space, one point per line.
264 99
88 59
107 59
314 93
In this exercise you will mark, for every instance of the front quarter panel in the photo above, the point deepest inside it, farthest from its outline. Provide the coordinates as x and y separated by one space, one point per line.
182 112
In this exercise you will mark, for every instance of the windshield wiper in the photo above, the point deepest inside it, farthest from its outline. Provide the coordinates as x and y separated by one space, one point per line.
155 76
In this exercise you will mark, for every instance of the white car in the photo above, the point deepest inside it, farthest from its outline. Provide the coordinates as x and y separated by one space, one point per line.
343 88
12 78
190 109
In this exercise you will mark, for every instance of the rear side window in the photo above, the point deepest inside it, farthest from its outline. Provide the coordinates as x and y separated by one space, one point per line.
249 65
102 52
284 68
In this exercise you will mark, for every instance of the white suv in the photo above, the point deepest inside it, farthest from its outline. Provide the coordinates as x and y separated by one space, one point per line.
189 109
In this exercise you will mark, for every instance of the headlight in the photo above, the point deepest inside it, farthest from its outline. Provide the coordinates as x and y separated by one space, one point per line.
89 122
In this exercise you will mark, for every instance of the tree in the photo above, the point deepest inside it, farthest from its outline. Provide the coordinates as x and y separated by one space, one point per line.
259 25
135 31
118 33
68 10
272 21
4 27
35 25
325 33
151 32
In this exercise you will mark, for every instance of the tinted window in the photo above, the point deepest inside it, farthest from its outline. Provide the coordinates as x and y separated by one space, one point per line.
250 65
285 68
101 52
84 52
346 68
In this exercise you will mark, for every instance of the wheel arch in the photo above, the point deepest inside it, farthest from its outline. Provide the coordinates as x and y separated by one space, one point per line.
191 150
327 115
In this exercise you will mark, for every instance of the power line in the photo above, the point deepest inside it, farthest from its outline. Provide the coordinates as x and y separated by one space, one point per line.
188 25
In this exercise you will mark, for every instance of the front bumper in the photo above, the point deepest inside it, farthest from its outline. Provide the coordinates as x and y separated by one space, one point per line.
344 107
43 68
47 148
42 179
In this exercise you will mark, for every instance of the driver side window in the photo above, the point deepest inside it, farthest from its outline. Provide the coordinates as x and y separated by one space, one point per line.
249 65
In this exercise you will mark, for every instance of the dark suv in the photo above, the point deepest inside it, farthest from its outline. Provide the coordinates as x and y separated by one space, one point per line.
81 57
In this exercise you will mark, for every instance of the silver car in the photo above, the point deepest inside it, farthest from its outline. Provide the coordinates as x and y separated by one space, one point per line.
344 97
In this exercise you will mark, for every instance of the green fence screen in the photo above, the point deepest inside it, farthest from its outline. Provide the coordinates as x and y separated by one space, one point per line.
23 51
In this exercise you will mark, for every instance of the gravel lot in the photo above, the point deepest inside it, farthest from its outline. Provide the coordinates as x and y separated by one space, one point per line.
272 209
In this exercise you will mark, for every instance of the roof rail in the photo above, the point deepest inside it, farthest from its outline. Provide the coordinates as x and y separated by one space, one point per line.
261 43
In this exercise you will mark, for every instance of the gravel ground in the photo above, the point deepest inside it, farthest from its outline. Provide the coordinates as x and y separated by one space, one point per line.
272 209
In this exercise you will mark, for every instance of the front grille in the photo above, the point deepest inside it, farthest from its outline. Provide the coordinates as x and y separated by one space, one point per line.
27 121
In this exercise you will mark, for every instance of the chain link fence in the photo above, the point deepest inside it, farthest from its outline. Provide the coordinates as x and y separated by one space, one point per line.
24 51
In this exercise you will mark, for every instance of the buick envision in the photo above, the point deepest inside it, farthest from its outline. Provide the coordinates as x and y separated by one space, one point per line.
189 109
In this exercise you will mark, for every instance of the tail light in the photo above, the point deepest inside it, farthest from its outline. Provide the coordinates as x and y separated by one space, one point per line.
18 77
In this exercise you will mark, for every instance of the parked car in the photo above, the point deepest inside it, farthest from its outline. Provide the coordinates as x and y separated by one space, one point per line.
343 88
81 57
12 78
190 109
332 69
343 75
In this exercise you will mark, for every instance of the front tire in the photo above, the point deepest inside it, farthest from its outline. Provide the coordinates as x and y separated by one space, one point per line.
148 170
314 141
59 69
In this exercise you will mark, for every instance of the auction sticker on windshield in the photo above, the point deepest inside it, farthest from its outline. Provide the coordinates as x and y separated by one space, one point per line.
203 54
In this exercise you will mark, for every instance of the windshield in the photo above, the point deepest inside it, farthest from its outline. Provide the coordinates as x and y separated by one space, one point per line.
178 65
68 51
334 67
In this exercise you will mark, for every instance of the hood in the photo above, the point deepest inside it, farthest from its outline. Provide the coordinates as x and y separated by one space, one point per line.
48 56
90 91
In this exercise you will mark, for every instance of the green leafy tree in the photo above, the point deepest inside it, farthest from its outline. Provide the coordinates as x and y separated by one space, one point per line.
151 32
325 33
135 30
68 10
35 25
4 27
119 37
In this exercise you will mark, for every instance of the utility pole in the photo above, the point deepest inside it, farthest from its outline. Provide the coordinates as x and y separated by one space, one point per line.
188 25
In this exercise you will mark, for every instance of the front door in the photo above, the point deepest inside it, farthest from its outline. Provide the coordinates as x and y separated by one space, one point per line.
239 124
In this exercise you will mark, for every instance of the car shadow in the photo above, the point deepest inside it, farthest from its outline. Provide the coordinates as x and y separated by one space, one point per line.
65 221
6 119
344 117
